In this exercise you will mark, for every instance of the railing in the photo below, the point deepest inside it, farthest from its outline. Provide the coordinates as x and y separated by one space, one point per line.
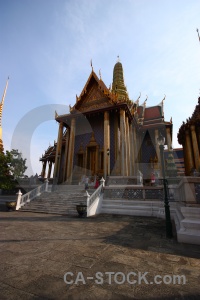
94 196
22 200
134 193
124 180
197 192
94 201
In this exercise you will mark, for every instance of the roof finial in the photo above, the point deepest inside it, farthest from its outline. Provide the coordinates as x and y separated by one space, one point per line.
91 64
118 60
163 99
100 73
138 99
198 34
1 111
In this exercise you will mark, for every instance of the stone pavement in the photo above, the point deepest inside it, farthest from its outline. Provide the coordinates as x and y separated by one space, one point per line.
36 250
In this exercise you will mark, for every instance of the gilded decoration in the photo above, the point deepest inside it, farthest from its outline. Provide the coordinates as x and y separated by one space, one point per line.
94 98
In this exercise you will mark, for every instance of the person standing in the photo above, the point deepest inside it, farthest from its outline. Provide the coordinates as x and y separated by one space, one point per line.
86 182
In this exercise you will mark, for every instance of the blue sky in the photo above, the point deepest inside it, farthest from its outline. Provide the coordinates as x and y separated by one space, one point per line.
46 48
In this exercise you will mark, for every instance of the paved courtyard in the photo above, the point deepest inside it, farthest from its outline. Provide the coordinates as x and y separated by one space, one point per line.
37 250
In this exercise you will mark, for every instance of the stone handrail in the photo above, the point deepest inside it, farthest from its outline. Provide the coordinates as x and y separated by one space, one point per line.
94 196
26 198
134 192
94 201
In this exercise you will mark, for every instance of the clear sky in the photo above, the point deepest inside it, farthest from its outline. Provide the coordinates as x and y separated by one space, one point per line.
46 47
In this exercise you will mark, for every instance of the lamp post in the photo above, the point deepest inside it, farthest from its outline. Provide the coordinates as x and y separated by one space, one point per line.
108 153
169 234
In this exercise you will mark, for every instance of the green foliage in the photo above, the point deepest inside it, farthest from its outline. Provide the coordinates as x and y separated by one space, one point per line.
6 181
18 164
12 166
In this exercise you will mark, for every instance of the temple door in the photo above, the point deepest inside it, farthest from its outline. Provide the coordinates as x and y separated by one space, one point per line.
93 160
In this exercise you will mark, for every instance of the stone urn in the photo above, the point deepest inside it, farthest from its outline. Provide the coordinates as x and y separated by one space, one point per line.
11 205
82 210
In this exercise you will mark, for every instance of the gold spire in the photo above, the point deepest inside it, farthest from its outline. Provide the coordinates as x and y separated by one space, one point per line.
118 86
1 112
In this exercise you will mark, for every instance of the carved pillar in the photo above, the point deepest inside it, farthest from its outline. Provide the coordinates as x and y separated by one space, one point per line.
132 152
116 135
66 155
135 146
198 137
106 144
127 148
71 151
189 156
169 141
44 169
195 147
58 153
122 141
157 146
49 170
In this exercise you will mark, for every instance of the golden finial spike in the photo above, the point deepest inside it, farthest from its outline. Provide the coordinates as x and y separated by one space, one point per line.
91 64
3 99
1 111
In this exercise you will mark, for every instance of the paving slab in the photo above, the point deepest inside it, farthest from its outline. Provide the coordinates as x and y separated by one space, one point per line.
47 256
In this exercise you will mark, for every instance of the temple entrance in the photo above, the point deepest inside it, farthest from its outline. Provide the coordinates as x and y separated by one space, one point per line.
92 159
80 160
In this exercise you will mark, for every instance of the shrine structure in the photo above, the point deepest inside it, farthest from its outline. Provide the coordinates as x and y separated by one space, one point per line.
106 133
189 138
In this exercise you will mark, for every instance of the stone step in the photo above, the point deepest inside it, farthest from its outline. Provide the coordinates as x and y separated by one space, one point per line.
62 200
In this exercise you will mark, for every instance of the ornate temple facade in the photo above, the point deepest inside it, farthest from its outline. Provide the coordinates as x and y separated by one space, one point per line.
189 138
106 133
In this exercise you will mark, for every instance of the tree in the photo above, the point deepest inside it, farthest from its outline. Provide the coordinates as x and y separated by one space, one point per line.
6 180
12 166
18 164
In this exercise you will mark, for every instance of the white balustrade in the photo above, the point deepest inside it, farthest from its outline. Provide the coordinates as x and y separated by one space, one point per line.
26 198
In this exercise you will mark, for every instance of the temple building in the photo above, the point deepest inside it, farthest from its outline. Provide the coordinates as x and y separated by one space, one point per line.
106 133
189 138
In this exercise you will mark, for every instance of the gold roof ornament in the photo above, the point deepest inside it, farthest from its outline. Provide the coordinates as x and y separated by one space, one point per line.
118 86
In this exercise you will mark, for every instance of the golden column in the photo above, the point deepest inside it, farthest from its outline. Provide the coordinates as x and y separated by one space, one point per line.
157 146
195 147
106 144
128 164
58 153
44 169
66 155
135 147
132 152
168 135
189 156
122 142
71 151
49 170
158 150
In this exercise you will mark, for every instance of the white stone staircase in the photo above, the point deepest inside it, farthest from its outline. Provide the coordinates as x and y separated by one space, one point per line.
62 200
